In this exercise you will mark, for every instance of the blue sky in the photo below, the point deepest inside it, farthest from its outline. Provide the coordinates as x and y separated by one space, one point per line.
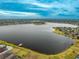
68 9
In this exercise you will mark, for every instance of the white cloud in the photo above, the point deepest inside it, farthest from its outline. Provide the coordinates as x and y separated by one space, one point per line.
13 13
42 5
68 6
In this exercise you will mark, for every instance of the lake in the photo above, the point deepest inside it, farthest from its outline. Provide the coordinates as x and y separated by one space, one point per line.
38 38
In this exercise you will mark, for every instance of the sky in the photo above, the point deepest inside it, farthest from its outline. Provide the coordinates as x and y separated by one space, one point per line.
39 9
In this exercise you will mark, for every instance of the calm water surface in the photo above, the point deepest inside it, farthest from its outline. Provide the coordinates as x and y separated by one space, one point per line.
35 37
